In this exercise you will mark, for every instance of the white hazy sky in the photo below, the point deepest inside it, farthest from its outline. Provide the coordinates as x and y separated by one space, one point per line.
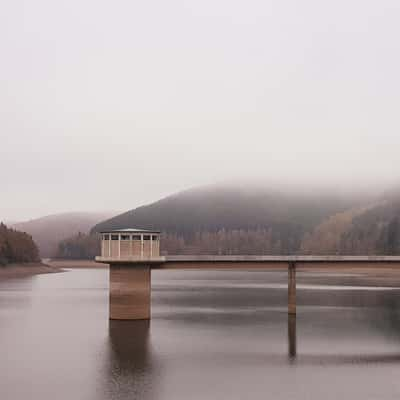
106 105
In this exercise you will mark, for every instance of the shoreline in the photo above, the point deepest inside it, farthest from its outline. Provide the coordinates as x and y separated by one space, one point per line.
62 263
22 270
357 276
353 276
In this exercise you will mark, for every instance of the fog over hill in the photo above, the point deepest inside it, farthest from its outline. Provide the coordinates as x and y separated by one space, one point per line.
268 219
48 231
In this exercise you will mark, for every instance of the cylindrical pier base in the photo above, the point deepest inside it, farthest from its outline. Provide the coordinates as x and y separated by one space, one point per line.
130 288
292 288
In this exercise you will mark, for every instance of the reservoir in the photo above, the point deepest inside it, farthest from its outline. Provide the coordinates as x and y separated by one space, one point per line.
213 335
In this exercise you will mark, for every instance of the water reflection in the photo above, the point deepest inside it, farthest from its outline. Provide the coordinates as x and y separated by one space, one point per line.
130 371
391 324
204 342
16 294
379 312
292 336
348 359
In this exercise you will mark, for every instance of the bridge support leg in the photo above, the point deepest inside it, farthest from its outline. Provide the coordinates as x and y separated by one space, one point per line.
292 288
130 288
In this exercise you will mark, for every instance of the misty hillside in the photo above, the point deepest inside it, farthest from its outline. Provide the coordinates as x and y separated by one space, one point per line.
368 230
376 231
230 220
48 231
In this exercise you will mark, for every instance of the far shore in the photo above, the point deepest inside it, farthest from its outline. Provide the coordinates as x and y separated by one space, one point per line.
354 275
47 266
61 263
22 270
386 276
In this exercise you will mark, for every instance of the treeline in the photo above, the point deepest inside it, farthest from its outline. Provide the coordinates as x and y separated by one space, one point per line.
223 242
350 233
360 230
80 246
231 242
16 247
337 235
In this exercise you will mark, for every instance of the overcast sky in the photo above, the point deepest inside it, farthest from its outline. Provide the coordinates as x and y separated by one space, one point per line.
107 105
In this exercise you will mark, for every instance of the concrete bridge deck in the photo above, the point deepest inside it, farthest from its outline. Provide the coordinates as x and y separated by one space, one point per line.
240 261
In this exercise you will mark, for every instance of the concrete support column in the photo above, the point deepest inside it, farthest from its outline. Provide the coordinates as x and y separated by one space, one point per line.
130 288
292 288
119 246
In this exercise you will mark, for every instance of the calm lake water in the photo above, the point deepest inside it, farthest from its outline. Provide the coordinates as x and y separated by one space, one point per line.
214 335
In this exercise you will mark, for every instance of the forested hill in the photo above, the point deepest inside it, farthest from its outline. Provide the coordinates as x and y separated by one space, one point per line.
369 230
16 247
233 220
376 231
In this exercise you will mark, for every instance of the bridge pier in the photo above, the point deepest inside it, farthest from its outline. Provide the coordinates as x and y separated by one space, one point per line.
130 291
292 288
130 288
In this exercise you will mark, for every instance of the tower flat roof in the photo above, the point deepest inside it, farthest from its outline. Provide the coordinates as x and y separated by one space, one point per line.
130 230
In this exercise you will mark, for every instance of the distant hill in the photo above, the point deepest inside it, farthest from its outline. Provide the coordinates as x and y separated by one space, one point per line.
48 231
222 219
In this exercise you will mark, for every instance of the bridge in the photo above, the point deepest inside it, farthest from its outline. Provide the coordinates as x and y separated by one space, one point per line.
133 253
130 277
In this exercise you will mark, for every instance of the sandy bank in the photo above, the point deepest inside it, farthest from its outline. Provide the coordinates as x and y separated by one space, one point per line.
58 263
28 269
